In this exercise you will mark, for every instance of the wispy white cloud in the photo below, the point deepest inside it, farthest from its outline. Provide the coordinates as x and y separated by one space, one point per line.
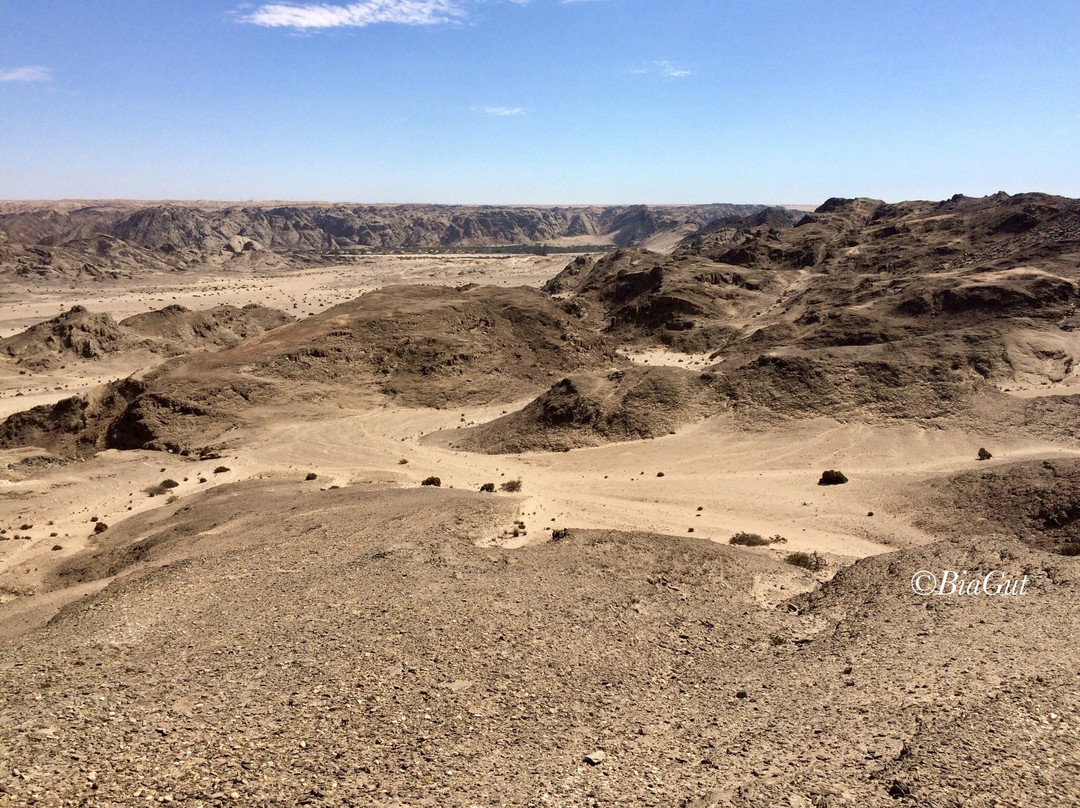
315 16
29 73
662 68
502 112
673 71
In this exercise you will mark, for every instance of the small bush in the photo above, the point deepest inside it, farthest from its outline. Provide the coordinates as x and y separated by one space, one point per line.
311 475
221 469
832 477
435 481
808 561
161 488
511 486
744 539
1070 548
560 533
487 487
984 455
100 527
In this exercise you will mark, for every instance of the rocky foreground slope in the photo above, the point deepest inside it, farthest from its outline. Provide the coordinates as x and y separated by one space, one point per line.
355 647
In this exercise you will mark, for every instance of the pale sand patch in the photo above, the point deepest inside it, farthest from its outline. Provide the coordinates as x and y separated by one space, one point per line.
1069 386
19 392
667 358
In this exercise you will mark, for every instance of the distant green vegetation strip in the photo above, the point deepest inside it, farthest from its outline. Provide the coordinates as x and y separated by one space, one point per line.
508 249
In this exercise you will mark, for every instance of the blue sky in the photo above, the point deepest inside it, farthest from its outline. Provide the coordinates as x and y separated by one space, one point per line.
494 101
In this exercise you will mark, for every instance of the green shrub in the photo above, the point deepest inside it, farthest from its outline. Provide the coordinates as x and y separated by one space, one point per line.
744 539
808 561
161 488
511 486
435 481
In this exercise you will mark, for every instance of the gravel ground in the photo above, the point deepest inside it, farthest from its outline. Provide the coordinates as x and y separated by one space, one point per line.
355 647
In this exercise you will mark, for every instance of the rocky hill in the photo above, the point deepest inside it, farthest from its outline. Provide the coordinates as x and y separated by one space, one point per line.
907 310
173 330
292 228
414 345
1036 500
868 235
102 258
633 403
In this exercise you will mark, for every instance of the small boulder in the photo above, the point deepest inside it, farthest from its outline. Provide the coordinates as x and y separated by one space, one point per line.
596 758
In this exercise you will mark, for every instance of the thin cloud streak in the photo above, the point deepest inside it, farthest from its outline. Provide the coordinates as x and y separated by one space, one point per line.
662 68
315 16
503 112
28 73
673 72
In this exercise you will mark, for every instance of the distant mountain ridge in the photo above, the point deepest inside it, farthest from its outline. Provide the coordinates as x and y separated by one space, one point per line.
321 227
